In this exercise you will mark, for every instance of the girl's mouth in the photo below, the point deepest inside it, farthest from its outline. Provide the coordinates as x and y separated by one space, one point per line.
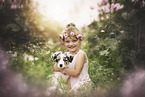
71 47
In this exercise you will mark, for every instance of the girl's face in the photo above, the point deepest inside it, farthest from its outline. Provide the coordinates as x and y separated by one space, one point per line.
72 44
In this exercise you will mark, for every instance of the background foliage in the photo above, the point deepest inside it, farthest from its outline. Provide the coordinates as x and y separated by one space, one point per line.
114 44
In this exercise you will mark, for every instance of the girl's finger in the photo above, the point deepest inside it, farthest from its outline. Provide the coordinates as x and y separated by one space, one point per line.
52 69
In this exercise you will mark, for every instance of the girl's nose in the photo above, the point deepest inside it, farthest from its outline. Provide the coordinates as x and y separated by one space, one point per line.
71 43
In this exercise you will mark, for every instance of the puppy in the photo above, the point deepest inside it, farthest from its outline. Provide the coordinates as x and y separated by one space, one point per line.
59 79
63 61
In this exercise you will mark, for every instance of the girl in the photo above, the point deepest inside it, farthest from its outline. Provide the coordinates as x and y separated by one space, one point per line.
79 77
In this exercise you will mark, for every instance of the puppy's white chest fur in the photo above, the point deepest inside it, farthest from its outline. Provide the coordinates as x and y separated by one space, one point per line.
60 76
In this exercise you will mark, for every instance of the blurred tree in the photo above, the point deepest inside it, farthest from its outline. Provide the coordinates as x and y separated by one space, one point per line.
27 38
132 47
22 25
116 41
118 35
14 32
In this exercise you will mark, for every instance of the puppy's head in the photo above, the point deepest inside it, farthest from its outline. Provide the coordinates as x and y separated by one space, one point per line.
62 59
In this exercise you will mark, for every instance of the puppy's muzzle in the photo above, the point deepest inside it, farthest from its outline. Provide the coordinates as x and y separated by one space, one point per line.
61 63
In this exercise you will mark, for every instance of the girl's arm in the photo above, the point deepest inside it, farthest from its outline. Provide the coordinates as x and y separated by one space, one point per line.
80 60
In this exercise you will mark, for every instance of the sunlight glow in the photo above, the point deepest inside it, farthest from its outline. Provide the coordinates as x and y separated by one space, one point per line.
80 12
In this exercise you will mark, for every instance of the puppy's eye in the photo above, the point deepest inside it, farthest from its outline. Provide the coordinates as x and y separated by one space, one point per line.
65 59
58 60
58 57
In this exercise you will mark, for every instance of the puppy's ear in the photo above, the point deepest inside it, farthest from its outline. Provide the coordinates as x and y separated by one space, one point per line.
54 56
69 56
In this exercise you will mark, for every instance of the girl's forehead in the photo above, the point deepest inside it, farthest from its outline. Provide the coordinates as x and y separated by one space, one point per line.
70 38
73 30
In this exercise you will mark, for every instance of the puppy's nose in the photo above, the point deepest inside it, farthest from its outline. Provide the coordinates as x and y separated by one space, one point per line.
61 65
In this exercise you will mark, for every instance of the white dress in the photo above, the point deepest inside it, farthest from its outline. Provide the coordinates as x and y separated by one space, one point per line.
83 79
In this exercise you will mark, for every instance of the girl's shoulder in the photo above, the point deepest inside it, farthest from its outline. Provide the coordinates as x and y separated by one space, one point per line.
82 52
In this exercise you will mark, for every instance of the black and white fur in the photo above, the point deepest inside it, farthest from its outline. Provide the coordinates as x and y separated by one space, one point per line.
62 59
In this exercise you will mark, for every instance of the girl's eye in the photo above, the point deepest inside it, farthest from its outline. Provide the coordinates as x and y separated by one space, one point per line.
67 41
74 40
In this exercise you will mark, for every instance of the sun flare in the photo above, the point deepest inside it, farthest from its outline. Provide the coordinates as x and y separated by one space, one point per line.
79 12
